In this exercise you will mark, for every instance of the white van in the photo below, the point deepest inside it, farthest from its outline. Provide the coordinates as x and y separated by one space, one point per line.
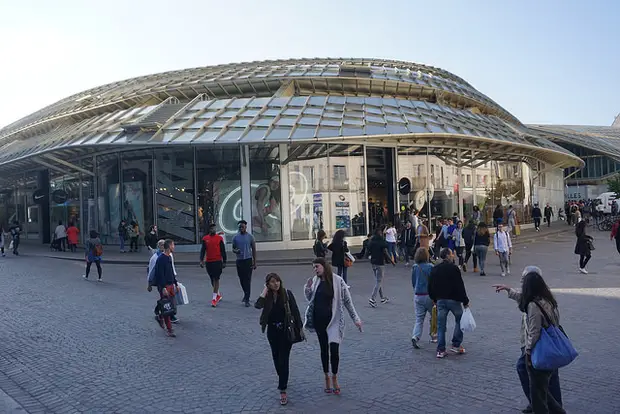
605 201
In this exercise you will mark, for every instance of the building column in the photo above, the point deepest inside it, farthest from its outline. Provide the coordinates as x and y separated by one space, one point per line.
459 182
43 183
285 204
474 183
246 190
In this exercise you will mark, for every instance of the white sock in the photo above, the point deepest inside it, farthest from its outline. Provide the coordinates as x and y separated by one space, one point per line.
214 296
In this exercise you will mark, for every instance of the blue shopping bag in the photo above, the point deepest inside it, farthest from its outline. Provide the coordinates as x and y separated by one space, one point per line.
553 350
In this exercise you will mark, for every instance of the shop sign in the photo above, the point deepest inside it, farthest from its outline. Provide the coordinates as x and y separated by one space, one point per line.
59 196
39 196
404 186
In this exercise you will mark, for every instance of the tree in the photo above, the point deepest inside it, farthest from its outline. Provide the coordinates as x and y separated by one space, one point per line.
613 185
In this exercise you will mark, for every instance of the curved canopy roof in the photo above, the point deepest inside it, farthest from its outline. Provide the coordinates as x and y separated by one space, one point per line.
603 139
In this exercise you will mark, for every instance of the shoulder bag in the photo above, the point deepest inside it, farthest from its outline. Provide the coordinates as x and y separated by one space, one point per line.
553 350
293 331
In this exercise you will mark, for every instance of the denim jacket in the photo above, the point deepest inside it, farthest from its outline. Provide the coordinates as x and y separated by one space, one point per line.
419 278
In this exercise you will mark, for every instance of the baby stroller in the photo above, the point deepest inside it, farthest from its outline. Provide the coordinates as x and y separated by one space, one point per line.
55 245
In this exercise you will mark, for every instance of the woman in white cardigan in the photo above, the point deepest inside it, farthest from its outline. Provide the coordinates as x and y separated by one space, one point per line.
328 297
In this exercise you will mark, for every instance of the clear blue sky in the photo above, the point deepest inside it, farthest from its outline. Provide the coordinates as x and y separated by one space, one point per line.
545 61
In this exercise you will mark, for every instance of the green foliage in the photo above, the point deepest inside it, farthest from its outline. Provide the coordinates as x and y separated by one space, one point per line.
613 185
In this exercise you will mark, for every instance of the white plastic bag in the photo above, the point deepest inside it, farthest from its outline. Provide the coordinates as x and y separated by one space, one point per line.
181 295
350 256
468 324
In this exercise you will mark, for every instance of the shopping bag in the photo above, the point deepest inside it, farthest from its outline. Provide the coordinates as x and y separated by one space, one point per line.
348 259
11 245
434 321
181 295
553 350
518 230
468 324
166 307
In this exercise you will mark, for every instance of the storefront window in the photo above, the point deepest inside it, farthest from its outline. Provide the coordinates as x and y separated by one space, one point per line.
266 193
88 222
64 200
218 171
412 167
175 196
309 189
346 209
108 197
137 206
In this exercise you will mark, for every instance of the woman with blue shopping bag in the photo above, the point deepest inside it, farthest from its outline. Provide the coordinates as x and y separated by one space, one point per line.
546 347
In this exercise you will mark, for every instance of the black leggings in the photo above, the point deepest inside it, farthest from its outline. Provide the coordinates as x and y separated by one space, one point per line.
88 264
281 353
468 254
133 244
583 261
329 351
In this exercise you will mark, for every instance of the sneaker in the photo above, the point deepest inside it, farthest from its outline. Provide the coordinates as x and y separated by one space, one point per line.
99 280
247 303
458 350
503 274
482 274
218 298
385 300
414 342
434 339
584 271
85 277
213 303
372 303
464 268
508 271
441 354
174 319
171 334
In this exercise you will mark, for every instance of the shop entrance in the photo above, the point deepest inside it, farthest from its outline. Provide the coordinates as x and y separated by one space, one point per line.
381 178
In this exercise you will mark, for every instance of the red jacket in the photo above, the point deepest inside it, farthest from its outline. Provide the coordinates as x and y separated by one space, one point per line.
213 249
614 230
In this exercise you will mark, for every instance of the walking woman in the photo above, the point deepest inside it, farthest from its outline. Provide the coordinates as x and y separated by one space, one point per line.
328 297
94 251
583 247
339 247
320 248
459 242
540 305
423 304
390 237
73 236
469 234
481 245
279 309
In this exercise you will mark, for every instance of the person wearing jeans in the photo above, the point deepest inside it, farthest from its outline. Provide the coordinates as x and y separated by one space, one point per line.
482 239
244 247
422 302
379 255
447 290
503 248
390 238
554 382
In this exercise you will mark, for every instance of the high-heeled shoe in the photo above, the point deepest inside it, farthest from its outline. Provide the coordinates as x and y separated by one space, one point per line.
328 384
335 385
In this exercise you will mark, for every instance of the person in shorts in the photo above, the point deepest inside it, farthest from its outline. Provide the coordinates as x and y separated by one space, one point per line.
213 255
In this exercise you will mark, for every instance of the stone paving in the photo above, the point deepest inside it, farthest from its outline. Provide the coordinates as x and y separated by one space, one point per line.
73 346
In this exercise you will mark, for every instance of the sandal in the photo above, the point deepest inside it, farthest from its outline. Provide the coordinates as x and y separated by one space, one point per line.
336 388
283 398
328 385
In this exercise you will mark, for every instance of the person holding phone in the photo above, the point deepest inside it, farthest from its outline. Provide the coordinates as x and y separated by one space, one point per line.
279 309
328 297
244 246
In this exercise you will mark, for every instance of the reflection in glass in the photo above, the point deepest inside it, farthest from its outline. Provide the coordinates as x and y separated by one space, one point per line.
347 209
137 206
266 193
218 173
174 192
108 200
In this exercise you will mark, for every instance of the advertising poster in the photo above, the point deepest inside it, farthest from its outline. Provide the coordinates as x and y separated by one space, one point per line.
114 197
343 215
133 205
317 208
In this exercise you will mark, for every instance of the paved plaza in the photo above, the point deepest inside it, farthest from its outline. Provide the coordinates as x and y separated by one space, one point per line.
70 345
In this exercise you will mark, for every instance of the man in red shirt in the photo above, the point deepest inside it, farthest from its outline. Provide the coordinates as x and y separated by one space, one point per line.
213 252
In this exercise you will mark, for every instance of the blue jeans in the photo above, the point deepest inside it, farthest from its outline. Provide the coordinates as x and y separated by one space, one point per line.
379 272
481 252
423 304
122 242
443 307
554 382
392 251
342 271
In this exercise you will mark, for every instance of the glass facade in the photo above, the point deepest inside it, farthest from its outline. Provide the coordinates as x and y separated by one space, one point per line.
266 192
137 178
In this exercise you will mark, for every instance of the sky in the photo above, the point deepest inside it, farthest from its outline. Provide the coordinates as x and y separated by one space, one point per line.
548 62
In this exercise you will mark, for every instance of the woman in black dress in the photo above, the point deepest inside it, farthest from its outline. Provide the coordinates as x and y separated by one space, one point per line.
339 247
583 247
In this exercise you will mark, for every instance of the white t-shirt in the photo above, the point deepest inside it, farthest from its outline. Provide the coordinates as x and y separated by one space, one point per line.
390 235
60 231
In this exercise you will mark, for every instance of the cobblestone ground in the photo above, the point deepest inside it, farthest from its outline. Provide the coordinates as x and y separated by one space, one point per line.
70 345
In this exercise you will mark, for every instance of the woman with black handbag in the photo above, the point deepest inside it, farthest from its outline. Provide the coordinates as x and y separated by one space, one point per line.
284 326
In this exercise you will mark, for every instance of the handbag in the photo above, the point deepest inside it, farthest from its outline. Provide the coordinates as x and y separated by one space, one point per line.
348 259
166 307
553 350
590 242
293 332
433 330
181 295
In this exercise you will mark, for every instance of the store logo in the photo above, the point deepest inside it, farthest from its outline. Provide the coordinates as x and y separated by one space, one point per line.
39 196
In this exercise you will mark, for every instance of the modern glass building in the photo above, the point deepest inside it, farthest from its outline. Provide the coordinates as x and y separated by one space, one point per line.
597 146
292 146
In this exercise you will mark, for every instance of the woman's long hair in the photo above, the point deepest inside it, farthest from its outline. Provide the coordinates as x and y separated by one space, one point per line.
269 298
338 239
483 230
328 274
534 287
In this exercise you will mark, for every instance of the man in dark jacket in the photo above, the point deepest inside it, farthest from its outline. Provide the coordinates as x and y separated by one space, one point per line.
536 215
447 290
165 281
407 241
548 214
379 255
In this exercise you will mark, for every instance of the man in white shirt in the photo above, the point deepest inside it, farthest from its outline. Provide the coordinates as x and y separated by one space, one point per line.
61 236
503 248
